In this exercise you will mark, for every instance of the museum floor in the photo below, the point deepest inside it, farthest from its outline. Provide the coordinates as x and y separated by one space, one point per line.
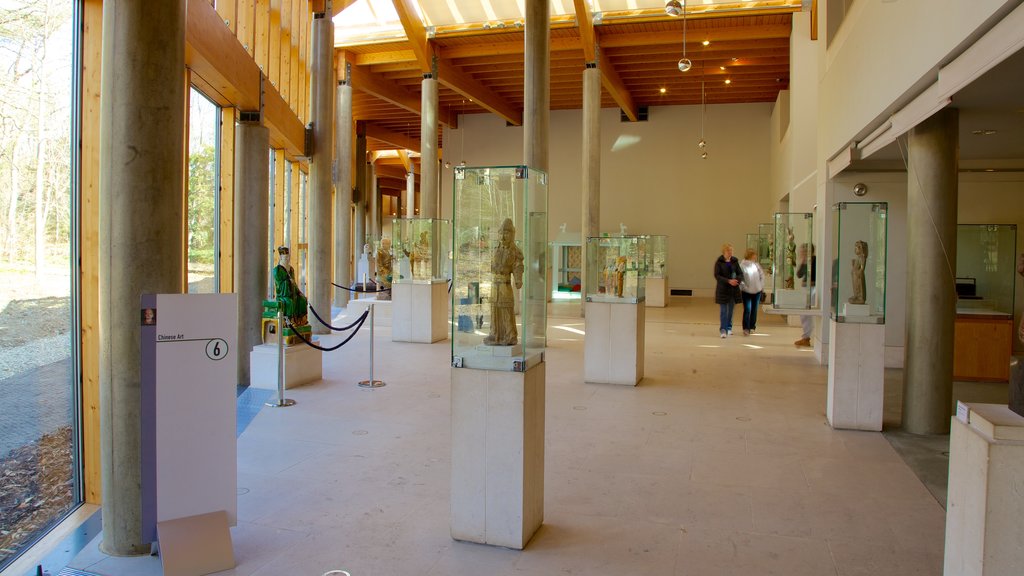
719 463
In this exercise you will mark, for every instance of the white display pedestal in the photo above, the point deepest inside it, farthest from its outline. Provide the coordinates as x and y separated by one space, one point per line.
856 376
984 505
382 311
497 492
656 292
419 311
302 365
613 349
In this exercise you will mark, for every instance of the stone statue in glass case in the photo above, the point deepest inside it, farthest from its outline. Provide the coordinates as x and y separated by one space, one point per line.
507 270
860 258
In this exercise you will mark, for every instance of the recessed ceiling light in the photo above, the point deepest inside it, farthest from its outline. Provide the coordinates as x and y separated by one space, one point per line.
721 67
727 81
706 42
662 90
735 59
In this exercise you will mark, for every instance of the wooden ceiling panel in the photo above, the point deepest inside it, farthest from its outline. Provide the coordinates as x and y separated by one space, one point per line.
638 57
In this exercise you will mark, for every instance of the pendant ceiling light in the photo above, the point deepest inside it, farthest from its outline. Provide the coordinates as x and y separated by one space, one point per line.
702 144
684 62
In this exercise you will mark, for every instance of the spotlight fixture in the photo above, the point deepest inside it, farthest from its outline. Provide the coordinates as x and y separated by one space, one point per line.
702 144
706 42
673 8
704 156
684 62
728 81
447 164
662 90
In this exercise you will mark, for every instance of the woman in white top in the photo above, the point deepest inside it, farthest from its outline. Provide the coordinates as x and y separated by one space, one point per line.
751 288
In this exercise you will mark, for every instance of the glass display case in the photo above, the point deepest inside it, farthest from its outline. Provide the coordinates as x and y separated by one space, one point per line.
420 249
859 244
794 265
766 245
616 268
499 299
752 244
986 256
657 256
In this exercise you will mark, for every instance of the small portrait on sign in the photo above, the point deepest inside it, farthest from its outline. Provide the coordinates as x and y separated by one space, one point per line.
149 316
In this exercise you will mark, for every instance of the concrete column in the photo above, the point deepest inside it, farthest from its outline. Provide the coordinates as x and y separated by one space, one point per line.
141 198
343 193
931 270
359 195
252 274
591 225
428 148
409 202
374 204
537 84
320 185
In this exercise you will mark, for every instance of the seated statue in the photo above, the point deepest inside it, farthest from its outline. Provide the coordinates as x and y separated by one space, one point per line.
288 299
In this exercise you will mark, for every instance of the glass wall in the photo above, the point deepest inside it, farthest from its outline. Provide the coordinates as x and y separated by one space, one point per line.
203 193
39 463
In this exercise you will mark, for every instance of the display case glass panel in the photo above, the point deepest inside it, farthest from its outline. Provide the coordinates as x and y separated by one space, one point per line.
986 256
616 268
657 252
766 245
752 243
420 248
567 267
499 287
795 263
859 244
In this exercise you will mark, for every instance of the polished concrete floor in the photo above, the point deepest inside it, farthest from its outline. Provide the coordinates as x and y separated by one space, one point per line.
719 463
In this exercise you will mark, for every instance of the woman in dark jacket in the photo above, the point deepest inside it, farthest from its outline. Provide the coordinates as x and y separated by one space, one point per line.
727 291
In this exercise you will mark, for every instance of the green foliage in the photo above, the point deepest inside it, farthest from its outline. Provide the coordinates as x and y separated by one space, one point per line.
201 196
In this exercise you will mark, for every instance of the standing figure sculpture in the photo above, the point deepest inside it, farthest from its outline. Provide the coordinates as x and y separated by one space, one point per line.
860 259
384 272
421 257
620 274
507 270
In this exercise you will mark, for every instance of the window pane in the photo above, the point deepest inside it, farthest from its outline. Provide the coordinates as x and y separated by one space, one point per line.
203 188
38 452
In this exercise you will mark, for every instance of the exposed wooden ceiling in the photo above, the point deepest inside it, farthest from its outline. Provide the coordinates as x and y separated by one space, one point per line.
481 70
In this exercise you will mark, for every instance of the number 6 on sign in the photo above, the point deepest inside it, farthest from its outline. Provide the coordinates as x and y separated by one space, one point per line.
216 349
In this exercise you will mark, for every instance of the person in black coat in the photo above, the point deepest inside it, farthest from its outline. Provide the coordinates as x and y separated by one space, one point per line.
727 291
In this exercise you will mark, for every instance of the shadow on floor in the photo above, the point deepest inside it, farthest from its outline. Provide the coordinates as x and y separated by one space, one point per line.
928 454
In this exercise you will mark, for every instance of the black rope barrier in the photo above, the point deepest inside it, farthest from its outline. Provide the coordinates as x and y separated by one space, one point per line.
331 348
358 291
342 329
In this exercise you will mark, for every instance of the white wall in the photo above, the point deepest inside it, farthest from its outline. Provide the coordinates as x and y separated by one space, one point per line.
884 53
652 177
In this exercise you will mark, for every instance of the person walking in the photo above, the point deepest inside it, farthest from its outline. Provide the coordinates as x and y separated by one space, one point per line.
751 289
727 291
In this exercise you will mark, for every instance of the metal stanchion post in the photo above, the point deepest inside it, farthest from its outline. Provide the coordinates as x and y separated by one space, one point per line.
281 400
371 383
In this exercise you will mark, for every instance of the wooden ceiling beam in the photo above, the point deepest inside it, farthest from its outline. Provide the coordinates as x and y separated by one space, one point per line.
340 5
396 139
505 48
416 34
696 36
585 21
450 76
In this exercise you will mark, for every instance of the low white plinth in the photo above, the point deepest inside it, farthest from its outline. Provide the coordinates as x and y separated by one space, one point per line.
419 311
497 480
856 375
613 350
656 292
302 365
985 502
791 299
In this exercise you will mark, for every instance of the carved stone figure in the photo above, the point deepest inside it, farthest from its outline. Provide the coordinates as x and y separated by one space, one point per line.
790 260
420 257
620 274
507 270
384 269
860 258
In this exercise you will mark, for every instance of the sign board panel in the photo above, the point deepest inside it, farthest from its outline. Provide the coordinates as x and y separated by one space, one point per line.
189 378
